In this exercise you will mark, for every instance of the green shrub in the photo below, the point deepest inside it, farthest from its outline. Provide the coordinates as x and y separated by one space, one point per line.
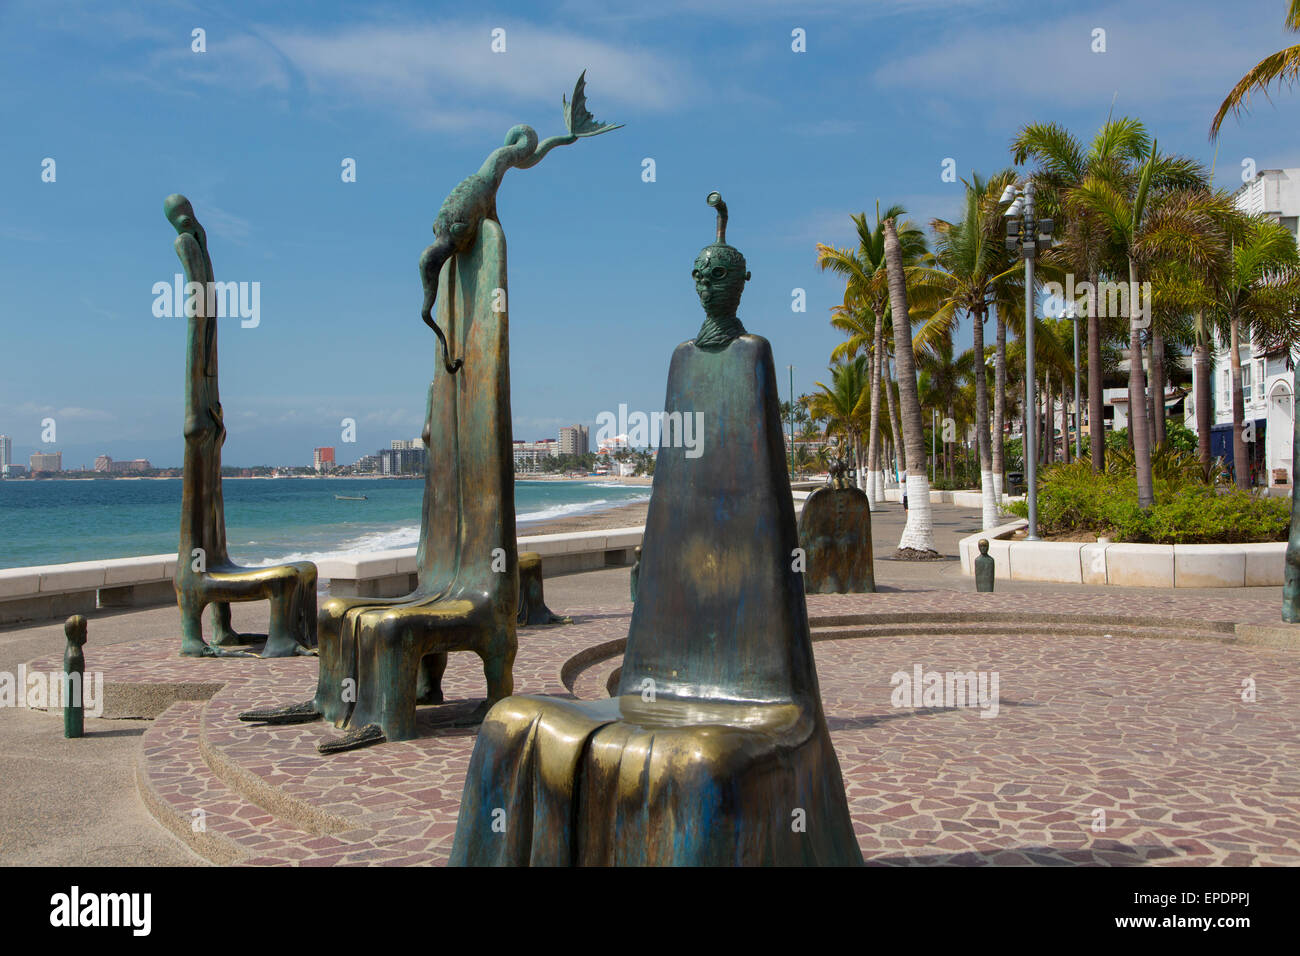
1186 510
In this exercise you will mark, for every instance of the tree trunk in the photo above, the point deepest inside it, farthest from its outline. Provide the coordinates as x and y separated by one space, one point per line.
874 496
999 407
1046 438
899 449
1137 404
1096 407
1204 414
918 534
988 496
1240 459
1067 396
1158 376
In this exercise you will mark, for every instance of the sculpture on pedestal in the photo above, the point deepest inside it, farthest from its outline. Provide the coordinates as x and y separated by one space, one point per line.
835 533
715 749
204 572
382 657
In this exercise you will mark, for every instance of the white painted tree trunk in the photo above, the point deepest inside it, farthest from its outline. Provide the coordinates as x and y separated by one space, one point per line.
988 499
918 533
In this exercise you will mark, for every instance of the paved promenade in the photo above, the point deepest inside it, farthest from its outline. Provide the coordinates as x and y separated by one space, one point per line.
1116 708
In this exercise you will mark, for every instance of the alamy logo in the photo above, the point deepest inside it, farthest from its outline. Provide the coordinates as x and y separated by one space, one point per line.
40 691
946 689
219 300
679 429
1114 299
103 909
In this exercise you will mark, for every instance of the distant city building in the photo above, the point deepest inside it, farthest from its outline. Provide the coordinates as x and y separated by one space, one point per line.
612 446
367 464
6 454
529 454
41 461
107 465
401 461
16 471
323 459
405 444
574 440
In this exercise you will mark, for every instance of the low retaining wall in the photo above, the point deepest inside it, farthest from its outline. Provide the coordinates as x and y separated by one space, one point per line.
1127 565
58 590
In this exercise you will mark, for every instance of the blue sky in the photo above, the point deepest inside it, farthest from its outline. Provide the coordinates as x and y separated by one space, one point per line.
254 131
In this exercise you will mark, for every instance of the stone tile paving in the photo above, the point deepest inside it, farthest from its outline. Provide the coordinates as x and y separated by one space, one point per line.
1152 732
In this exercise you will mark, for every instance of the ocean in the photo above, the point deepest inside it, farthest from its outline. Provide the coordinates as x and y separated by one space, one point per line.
267 520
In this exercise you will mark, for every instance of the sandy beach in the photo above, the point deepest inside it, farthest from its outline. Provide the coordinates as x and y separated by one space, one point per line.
624 516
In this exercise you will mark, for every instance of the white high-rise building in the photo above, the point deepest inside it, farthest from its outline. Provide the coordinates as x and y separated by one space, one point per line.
6 454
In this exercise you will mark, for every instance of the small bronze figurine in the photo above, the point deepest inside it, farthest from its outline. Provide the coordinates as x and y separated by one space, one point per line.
984 567
74 677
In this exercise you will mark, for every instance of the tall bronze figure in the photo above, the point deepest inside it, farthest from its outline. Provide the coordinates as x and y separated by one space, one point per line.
204 572
835 533
715 750
379 658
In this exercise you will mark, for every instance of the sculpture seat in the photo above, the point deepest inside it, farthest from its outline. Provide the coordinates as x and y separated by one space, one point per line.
618 768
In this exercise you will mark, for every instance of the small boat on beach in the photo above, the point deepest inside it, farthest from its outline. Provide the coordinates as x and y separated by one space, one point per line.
349 497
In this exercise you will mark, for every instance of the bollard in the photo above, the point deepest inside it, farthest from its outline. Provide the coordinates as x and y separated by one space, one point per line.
636 573
984 568
74 662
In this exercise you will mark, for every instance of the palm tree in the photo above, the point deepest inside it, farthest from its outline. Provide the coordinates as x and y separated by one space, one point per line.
973 263
1126 200
1282 65
866 310
1063 166
843 403
918 533
1257 290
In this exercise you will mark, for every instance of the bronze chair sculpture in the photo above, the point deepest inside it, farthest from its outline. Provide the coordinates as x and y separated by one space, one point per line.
204 572
379 658
835 533
715 750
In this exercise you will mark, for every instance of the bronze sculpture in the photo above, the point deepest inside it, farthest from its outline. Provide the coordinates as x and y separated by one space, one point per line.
74 677
984 567
715 749
835 533
379 658
204 572
532 594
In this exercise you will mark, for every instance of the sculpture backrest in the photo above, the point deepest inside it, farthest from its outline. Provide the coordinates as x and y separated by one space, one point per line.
203 523
469 501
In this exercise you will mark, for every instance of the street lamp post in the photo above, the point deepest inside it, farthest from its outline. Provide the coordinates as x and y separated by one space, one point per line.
1027 234
791 368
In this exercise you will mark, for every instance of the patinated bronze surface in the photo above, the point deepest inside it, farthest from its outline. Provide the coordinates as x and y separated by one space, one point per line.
715 750
984 567
532 595
379 658
835 533
74 689
204 572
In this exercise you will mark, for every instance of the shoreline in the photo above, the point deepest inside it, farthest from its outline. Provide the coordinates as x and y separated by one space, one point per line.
619 516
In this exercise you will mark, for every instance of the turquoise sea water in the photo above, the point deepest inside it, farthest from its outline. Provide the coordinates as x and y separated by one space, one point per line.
267 520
